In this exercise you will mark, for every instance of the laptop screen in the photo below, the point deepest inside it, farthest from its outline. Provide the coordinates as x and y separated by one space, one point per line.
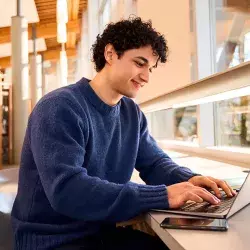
242 199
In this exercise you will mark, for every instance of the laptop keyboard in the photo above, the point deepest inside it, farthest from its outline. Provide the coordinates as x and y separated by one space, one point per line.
206 207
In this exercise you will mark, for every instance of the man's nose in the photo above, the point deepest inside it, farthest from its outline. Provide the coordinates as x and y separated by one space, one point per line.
145 76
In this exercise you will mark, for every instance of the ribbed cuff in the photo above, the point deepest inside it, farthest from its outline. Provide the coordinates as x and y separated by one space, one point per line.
183 174
153 197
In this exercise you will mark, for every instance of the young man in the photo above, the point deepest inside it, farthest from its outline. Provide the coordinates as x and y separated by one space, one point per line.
82 144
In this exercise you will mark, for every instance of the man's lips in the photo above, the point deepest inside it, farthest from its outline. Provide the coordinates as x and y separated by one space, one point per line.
137 84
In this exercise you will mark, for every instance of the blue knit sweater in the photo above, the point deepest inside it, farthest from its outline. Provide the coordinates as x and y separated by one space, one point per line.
77 160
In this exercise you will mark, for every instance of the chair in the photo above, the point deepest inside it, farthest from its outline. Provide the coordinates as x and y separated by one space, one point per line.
8 189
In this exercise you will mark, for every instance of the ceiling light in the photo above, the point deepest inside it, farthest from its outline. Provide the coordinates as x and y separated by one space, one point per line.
61 33
62 11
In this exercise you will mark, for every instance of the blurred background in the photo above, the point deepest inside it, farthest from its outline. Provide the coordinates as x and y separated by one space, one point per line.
45 45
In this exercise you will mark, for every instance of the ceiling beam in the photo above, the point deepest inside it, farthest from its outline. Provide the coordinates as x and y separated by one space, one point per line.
42 30
71 40
73 10
51 55
5 62
239 5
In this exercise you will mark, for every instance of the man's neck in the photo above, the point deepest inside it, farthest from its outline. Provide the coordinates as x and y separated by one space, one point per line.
101 84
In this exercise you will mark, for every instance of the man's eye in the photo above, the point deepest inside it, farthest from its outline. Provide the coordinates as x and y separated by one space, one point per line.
139 64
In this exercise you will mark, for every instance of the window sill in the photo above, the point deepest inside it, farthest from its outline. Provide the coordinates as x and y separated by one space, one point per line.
222 154
232 149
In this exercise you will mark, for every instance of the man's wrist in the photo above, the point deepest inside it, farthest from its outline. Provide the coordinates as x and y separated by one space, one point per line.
195 175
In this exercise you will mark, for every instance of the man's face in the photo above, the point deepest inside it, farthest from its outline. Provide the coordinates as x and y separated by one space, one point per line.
131 71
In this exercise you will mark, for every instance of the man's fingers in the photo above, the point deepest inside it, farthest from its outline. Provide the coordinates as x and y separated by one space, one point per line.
179 194
193 197
205 195
213 185
225 187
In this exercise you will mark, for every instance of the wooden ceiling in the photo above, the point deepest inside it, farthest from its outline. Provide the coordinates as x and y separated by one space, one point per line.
47 29
47 13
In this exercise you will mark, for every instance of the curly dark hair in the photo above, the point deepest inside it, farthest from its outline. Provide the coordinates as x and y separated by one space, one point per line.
132 33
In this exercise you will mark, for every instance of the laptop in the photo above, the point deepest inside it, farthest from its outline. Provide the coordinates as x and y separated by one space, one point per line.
227 207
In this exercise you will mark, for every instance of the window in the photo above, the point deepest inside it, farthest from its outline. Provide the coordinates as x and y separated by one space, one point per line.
220 121
161 124
185 120
247 47
242 52
233 122
236 57
174 124
230 26
221 38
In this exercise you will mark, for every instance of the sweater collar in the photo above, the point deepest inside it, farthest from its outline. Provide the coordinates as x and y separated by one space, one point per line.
96 101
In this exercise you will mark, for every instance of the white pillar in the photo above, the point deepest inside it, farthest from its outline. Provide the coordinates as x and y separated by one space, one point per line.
83 64
63 69
85 67
44 80
58 75
35 79
93 30
45 87
20 81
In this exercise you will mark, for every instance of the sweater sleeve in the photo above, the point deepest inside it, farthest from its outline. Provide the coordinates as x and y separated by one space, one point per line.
154 165
58 136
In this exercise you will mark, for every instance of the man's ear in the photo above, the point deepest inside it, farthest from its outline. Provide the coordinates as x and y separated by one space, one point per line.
109 53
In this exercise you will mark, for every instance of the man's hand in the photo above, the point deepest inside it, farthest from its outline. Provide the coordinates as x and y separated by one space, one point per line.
212 183
179 194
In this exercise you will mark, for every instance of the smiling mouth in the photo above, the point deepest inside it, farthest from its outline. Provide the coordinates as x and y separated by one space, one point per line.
136 84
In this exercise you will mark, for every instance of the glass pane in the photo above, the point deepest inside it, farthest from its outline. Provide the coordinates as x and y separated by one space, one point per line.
174 124
231 26
233 122
161 124
185 120
247 47
236 58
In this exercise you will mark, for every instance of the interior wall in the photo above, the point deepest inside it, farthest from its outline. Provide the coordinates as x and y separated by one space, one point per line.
122 9
117 10
172 19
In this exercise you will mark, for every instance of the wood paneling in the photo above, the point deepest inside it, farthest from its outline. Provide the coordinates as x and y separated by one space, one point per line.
47 9
73 10
52 54
46 30
47 13
47 27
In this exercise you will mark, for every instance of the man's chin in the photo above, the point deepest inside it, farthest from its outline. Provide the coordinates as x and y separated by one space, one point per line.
131 95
